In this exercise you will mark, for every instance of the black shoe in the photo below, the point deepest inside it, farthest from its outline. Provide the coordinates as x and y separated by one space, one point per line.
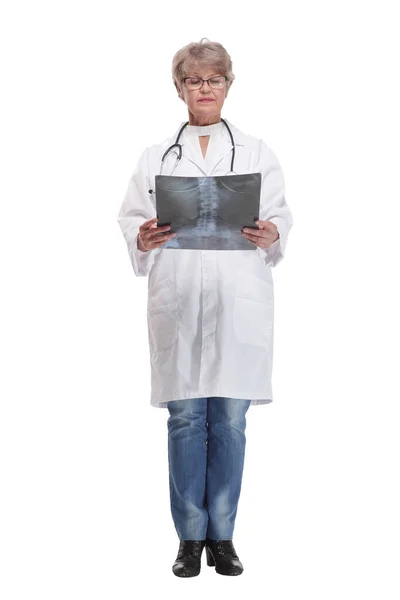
188 561
222 555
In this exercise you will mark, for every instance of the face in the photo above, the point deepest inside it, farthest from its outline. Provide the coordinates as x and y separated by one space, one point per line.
200 110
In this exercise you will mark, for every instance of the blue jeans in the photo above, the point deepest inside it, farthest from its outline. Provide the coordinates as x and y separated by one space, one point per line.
206 449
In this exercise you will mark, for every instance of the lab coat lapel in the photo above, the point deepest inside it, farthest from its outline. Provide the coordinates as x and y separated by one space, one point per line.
216 152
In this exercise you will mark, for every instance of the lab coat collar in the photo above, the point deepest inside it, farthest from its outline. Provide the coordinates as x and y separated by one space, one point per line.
238 137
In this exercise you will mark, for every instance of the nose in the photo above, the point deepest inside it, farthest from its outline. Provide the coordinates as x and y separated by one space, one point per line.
208 85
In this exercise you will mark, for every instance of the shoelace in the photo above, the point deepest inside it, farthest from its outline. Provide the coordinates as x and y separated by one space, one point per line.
225 547
189 547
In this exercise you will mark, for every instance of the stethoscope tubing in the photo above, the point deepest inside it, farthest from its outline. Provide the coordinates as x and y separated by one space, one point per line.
179 146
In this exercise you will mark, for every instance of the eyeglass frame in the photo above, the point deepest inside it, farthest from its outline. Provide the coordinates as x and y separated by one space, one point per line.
203 80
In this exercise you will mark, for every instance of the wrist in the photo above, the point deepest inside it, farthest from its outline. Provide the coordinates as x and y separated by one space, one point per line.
140 244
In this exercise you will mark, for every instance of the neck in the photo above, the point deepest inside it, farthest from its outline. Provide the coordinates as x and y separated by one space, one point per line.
200 121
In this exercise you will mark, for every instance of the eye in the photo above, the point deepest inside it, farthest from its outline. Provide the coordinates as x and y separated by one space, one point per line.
192 80
217 81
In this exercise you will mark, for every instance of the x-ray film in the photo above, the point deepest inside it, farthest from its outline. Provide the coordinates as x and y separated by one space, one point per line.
208 213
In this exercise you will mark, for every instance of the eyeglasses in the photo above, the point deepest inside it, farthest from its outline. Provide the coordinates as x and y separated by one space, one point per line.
195 83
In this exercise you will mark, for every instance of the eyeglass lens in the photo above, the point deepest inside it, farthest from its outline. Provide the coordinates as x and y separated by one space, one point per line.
195 83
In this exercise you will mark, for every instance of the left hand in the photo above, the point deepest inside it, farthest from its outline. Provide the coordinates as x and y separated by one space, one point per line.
263 237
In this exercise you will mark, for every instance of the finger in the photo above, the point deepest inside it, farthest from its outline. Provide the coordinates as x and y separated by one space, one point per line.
256 232
251 241
262 242
157 237
260 223
148 224
270 226
162 242
266 225
156 233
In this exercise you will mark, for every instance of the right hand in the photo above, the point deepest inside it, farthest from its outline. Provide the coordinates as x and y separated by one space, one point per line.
148 234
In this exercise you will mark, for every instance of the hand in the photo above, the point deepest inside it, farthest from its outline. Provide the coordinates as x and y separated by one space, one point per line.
263 237
148 238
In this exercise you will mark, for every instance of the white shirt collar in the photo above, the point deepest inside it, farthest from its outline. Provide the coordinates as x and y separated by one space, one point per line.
197 130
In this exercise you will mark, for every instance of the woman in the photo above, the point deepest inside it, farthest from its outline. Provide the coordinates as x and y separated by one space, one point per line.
210 312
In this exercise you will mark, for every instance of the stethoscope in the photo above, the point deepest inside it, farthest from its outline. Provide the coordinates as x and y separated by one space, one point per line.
179 146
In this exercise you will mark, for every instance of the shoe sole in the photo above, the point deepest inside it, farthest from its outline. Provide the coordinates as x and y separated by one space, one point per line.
184 573
229 574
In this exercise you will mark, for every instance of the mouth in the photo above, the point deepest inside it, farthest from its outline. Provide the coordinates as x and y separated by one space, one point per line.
206 100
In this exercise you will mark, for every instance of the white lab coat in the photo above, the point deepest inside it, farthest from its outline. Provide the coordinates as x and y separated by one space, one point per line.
210 313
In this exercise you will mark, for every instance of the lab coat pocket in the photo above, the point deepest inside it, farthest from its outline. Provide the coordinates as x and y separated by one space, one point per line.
163 327
162 315
253 310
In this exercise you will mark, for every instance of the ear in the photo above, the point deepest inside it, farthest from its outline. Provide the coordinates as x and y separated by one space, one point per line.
178 90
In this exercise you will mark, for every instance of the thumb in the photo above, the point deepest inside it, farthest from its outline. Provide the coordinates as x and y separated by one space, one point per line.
262 224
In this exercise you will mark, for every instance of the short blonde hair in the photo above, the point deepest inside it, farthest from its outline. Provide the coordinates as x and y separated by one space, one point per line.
199 53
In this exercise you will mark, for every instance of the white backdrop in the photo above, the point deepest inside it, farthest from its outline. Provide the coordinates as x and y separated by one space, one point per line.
85 501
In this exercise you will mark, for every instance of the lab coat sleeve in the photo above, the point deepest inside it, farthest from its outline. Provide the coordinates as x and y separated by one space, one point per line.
137 208
273 206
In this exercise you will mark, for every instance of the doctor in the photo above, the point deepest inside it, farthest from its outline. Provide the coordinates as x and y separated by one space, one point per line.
210 312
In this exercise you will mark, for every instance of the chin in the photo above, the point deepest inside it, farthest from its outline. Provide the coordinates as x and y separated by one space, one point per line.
209 108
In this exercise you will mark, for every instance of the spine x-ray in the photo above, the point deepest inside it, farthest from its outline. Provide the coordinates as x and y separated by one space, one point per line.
208 213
